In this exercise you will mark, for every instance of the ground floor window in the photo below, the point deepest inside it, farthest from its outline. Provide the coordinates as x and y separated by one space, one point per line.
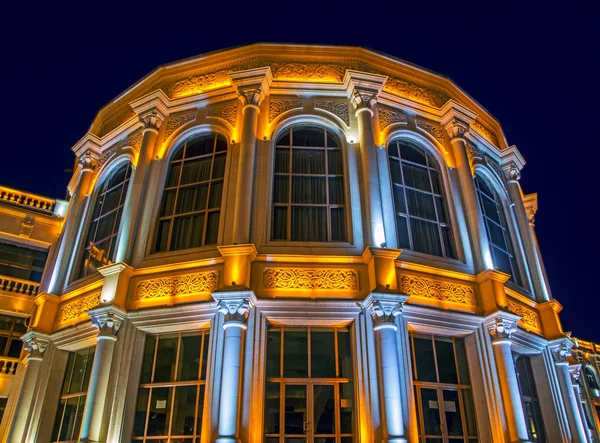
170 399
309 392
443 391
69 415
3 401
529 397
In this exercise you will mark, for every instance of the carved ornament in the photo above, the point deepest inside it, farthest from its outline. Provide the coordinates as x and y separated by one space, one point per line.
277 107
384 308
561 350
35 344
388 117
174 123
484 132
501 328
198 84
106 156
439 290
26 228
413 92
339 109
73 309
107 320
473 152
225 112
309 72
186 284
530 320
433 130
300 278
117 120
88 161
234 311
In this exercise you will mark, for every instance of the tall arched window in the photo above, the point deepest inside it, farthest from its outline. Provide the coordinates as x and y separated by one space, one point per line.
191 203
422 218
308 187
101 242
497 230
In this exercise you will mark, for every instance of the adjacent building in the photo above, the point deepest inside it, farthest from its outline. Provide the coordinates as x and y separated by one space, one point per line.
288 243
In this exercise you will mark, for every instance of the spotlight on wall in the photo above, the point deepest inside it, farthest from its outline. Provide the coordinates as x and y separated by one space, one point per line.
383 245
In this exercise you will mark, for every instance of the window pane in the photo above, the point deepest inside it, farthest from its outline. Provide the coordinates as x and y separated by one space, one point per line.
334 161
173 177
272 408
281 189
162 238
435 180
219 166
344 354
445 361
184 410
425 359
322 354
78 371
309 224
338 224
403 238
68 422
346 408
309 190
461 360
216 191
160 411
399 203
280 223
416 176
431 412
200 145
139 423
212 228
168 203
469 412
284 138
412 153
282 160
189 358
166 357
204 356
58 419
425 237
273 353
192 198
295 354
200 411
452 413
336 190
295 409
420 204
324 409
308 161
395 171
308 136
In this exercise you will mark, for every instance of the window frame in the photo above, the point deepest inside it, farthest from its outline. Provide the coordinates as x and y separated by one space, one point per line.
30 267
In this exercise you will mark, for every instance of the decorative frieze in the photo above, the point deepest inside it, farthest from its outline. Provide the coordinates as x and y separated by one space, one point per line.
484 132
73 309
309 72
433 130
134 140
388 117
174 123
439 290
179 285
106 156
198 84
225 112
413 92
277 107
473 152
301 278
339 109
530 320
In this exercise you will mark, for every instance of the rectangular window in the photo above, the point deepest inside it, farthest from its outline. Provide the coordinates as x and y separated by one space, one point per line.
170 399
531 402
22 263
11 329
71 405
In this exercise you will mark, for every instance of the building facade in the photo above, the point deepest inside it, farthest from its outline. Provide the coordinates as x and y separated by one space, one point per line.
286 243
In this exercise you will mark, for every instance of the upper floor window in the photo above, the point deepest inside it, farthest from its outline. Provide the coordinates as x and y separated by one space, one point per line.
101 242
530 399
496 229
422 218
23 263
191 203
11 329
590 376
308 187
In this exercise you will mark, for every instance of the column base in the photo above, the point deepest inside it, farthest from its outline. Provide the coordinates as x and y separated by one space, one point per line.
227 440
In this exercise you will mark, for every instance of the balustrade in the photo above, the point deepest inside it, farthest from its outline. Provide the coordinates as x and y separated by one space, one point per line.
18 286
8 365
27 199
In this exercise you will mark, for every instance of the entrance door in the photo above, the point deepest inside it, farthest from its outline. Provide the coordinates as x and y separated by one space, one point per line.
442 412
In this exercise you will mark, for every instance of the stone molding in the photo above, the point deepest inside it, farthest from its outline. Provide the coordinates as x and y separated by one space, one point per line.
305 278
384 308
178 285
309 72
413 92
436 289
484 132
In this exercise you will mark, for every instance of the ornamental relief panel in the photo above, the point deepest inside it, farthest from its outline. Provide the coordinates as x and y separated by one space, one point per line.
433 130
105 157
278 107
115 121
484 132
300 278
530 320
388 117
309 72
198 84
134 140
339 109
225 112
413 92
73 309
179 285
174 123
439 290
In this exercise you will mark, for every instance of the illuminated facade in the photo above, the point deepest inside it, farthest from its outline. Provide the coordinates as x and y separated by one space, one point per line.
281 243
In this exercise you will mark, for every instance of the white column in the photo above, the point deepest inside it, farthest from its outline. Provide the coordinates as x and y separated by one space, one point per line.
35 344
235 307
383 309
575 371
501 327
107 320
561 349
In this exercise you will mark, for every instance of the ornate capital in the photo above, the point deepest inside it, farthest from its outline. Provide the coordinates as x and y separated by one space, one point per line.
235 307
152 119
575 371
88 161
252 85
35 344
152 109
511 172
364 100
252 96
456 128
501 326
561 350
108 320
384 308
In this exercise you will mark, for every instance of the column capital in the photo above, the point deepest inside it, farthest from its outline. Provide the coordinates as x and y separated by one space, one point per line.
511 172
561 350
35 343
531 207
456 128
575 371
152 109
235 307
108 320
384 308
88 160
252 85
456 119
363 89
501 326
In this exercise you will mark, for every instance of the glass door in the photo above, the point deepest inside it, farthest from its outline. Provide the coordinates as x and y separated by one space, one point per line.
442 412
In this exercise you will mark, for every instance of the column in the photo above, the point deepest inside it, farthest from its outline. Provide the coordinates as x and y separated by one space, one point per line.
108 320
501 326
253 86
561 350
72 229
575 371
384 308
130 218
235 307
456 129
530 203
35 344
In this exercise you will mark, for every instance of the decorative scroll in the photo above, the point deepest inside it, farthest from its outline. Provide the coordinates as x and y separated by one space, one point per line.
388 117
226 112
435 131
179 285
413 92
174 123
309 72
277 107
198 84
473 152
74 309
104 158
530 320
484 132
440 290
299 278
134 140
340 109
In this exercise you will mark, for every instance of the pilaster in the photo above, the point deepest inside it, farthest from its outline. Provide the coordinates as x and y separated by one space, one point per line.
381 263
116 284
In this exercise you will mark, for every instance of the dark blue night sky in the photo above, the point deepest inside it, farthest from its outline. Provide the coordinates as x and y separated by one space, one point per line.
533 65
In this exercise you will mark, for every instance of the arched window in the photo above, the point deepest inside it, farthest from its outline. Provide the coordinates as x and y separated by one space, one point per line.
308 187
497 230
590 377
191 203
101 242
422 218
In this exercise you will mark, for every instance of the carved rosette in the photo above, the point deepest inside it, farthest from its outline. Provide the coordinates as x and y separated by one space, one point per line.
530 320
225 112
432 130
235 307
384 308
186 284
339 109
174 123
107 320
278 107
439 290
301 278
501 328
388 117
35 343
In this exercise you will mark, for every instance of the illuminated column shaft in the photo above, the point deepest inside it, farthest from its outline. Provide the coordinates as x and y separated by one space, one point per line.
139 183
368 152
71 233
501 329
383 309
108 321
577 390
235 307
35 344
